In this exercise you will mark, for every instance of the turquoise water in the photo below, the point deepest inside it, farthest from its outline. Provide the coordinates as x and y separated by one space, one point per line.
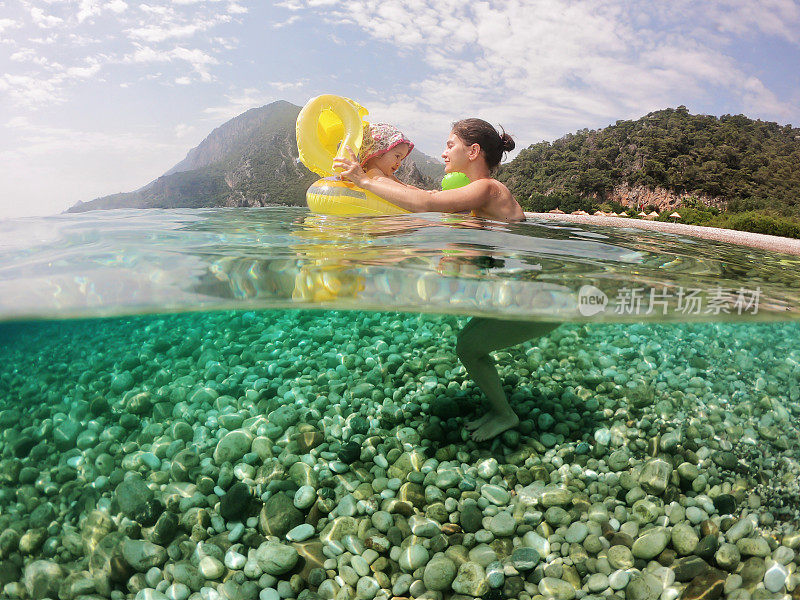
123 262
263 404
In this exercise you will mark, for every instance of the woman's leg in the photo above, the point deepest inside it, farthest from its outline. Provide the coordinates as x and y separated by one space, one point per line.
479 337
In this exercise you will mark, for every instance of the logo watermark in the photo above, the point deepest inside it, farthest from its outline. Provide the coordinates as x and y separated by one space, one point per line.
685 301
591 300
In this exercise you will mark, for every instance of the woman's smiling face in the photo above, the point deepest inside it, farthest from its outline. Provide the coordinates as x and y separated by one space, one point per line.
456 154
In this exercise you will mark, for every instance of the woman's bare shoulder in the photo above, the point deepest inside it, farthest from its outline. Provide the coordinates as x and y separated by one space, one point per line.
503 203
499 185
483 185
492 187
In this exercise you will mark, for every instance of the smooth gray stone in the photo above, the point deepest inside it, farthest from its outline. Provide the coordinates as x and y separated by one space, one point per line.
439 574
650 544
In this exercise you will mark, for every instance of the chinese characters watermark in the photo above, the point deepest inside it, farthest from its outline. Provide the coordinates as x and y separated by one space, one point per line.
685 301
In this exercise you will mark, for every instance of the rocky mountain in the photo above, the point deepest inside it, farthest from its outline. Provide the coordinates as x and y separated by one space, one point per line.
250 160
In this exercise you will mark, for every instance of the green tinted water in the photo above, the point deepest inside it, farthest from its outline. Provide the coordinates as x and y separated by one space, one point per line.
324 453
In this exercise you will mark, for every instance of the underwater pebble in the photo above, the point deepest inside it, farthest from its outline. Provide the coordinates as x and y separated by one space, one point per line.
304 497
775 577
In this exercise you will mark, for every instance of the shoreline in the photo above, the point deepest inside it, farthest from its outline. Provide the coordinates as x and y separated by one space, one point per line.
732 236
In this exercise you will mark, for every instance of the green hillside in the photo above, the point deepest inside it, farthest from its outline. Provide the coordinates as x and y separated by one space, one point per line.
717 167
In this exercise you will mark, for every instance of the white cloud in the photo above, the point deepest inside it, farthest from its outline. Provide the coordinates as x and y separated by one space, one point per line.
771 17
30 91
116 6
158 32
301 4
91 8
182 130
224 43
145 54
46 87
45 41
286 23
8 24
756 97
83 40
23 55
87 9
295 5
197 59
89 70
283 86
17 122
571 64
169 30
43 20
157 10
336 39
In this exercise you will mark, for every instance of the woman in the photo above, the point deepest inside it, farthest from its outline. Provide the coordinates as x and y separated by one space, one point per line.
474 148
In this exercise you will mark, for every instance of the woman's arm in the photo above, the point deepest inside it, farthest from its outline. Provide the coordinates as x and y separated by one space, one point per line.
381 176
470 197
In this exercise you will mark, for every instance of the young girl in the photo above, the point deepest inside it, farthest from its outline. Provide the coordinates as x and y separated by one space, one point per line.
383 150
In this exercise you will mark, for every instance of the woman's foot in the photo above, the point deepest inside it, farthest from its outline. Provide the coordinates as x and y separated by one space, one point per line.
475 423
494 425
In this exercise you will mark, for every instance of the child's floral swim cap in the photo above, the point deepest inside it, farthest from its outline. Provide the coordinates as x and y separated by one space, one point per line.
379 138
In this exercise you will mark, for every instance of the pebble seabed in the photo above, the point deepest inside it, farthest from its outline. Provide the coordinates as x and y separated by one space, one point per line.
323 455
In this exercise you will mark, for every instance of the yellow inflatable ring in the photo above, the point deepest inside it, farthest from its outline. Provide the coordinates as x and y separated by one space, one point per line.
325 126
332 196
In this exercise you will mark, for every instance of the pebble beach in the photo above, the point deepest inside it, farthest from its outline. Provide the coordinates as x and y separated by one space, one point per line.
323 455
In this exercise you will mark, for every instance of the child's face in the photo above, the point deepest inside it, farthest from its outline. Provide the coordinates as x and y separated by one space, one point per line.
390 161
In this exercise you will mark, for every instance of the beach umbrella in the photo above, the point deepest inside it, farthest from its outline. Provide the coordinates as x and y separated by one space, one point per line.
652 215
642 214
599 213
579 212
556 211
675 215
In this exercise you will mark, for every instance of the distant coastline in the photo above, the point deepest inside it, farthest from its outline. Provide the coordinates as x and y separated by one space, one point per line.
730 172
742 238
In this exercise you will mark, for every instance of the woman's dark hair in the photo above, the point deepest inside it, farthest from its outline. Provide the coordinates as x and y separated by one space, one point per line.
493 144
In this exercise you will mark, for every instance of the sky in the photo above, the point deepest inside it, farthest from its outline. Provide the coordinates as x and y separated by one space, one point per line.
103 96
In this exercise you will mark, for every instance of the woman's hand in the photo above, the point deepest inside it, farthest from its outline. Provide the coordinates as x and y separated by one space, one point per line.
350 168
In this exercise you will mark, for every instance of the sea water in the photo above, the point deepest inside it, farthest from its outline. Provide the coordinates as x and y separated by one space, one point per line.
270 404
